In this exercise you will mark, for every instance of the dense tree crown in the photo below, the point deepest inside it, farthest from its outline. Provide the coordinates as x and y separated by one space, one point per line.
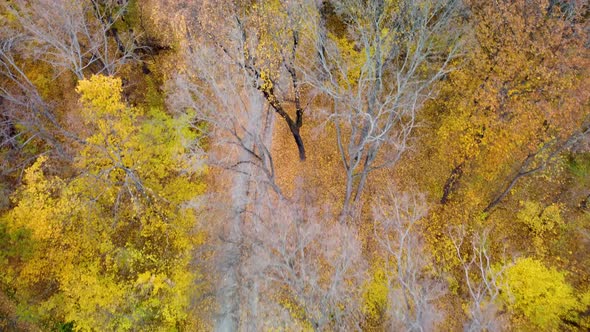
294 165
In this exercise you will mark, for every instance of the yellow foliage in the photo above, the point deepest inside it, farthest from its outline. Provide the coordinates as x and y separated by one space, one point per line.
541 222
539 293
376 295
353 61
112 245
584 307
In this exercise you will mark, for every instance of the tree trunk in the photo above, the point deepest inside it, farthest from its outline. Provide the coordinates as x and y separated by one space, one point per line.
298 141
229 294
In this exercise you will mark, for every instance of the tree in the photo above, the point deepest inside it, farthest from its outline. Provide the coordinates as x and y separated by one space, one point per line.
40 41
412 284
483 281
75 35
378 75
509 114
28 114
502 124
239 127
267 49
277 265
113 245
308 267
539 293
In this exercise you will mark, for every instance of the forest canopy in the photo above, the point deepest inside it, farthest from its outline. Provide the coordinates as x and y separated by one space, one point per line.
294 165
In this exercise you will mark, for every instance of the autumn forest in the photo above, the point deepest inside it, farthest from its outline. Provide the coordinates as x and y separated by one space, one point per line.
294 165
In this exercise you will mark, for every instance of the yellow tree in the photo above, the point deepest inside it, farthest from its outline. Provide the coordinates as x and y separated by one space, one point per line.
112 246
538 293
492 153
506 116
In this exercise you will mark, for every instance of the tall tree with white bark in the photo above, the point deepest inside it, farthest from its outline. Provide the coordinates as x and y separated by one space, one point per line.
378 72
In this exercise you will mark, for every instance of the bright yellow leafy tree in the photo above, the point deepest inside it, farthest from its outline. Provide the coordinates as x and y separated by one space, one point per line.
539 293
110 249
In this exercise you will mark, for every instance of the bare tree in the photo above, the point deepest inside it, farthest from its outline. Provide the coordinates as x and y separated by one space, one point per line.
483 282
280 264
75 35
223 86
23 104
311 264
239 124
378 75
307 264
413 285
264 41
